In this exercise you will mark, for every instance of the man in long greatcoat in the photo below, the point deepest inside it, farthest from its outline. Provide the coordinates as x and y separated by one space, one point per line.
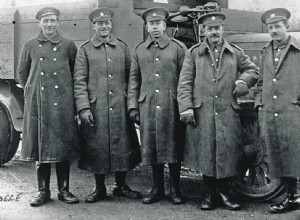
152 103
278 101
213 75
100 88
45 72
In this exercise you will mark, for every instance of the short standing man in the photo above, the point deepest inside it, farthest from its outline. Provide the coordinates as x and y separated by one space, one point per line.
213 75
100 87
152 103
45 72
278 101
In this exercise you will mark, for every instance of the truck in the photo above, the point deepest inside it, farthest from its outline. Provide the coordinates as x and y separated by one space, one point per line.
18 24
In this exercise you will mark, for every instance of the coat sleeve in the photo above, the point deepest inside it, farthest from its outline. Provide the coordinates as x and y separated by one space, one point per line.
72 56
186 82
23 69
134 84
249 71
258 95
81 78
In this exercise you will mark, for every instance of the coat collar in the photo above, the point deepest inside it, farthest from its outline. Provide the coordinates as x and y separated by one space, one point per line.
205 46
292 42
96 41
162 42
55 39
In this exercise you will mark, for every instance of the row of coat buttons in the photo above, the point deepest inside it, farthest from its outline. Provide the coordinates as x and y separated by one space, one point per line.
41 59
43 88
54 48
55 73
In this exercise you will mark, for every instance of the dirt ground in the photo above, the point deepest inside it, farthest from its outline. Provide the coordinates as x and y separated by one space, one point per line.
18 186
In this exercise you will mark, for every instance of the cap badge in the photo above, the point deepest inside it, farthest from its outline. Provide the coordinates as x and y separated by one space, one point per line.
272 15
213 18
101 14
154 14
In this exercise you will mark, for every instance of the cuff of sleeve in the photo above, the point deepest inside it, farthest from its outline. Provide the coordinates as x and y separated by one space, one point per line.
83 106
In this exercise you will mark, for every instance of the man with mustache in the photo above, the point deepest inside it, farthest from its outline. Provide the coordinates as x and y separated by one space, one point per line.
45 72
278 102
100 88
152 103
213 75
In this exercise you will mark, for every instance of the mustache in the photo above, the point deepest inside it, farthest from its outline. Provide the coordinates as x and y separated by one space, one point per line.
215 35
274 34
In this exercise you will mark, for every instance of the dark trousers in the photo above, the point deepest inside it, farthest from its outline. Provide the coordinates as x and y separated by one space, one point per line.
290 184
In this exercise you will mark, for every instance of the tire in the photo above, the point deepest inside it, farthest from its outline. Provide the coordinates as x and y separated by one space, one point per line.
9 137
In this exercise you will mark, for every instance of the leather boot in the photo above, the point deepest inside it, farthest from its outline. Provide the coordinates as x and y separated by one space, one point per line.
157 192
227 201
43 179
175 193
121 189
208 203
99 192
63 175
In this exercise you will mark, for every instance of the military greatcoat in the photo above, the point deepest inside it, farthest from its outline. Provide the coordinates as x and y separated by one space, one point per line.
279 117
45 72
152 90
214 145
100 84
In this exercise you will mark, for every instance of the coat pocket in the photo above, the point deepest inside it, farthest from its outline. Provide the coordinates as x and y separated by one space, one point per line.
142 97
197 103
235 106
296 102
92 99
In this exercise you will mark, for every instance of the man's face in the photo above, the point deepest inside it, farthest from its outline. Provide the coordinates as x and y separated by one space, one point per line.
156 28
103 28
278 30
214 33
48 24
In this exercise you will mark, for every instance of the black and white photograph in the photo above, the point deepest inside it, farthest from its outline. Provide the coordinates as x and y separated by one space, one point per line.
150 109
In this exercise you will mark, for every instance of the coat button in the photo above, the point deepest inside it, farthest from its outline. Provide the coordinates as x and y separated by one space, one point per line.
156 74
274 80
42 88
106 45
276 59
276 114
217 60
55 103
275 97
216 113
214 80
42 73
55 73
56 86
216 51
212 64
110 109
216 96
156 45
54 59
157 59
109 59
158 107
109 75
156 90
110 92
278 49
54 49
41 58
40 45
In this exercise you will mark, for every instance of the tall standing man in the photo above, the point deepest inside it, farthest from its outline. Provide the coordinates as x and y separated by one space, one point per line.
213 75
45 72
152 103
278 101
100 86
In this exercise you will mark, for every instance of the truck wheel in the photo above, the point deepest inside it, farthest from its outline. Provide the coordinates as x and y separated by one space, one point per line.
9 137
253 182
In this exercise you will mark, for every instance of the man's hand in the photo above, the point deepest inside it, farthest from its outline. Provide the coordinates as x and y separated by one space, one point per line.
187 117
241 88
86 117
135 115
